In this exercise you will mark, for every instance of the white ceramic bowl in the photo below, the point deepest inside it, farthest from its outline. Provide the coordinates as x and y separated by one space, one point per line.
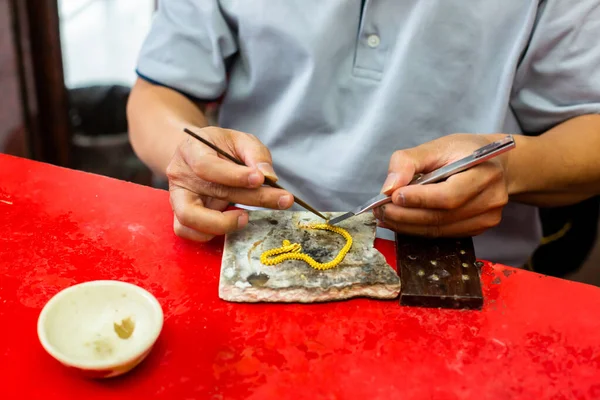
101 328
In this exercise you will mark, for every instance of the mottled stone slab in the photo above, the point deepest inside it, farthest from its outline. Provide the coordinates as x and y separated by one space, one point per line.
363 273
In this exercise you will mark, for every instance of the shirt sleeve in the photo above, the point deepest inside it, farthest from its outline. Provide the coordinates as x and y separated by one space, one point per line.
187 48
558 77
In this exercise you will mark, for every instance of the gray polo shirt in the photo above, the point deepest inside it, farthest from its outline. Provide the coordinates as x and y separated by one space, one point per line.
334 87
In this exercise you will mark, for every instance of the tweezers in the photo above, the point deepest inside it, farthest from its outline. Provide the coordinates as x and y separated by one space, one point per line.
268 181
477 157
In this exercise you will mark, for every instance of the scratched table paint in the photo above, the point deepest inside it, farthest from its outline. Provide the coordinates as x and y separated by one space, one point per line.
536 338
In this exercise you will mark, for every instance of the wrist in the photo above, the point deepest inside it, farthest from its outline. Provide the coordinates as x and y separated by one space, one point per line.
520 177
514 163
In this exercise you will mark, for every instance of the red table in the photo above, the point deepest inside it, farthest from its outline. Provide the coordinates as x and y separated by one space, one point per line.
536 338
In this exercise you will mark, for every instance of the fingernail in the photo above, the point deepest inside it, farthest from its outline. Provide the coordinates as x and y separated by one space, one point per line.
379 212
389 183
242 221
267 170
254 179
400 199
284 202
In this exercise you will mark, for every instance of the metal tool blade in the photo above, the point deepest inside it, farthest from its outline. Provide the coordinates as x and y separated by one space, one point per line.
370 204
341 218
477 157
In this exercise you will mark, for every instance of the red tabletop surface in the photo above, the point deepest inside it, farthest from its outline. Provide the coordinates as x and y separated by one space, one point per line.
536 338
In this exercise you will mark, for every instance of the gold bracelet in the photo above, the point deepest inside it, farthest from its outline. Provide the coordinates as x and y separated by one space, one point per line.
292 251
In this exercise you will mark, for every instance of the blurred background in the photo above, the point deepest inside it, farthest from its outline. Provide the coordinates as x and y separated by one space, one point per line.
66 68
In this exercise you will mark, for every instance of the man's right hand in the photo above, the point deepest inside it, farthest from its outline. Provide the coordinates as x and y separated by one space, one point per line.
202 184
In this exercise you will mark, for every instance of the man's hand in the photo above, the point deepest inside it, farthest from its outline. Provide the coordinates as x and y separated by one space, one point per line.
465 204
202 184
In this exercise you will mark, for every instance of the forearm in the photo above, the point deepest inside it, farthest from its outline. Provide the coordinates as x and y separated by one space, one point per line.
559 167
156 118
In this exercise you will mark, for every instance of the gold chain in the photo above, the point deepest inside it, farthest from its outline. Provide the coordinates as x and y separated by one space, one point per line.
292 251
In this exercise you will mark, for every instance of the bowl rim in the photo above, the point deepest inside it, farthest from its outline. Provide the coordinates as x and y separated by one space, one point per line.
145 346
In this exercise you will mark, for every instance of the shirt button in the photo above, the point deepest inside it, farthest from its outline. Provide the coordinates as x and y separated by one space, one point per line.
373 41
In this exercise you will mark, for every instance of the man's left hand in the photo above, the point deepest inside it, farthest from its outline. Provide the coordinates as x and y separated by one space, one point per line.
465 204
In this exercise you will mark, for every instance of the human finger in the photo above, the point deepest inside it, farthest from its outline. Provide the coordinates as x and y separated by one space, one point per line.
253 153
484 201
264 197
467 227
191 212
452 193
243 146
404 164
211 168
188 233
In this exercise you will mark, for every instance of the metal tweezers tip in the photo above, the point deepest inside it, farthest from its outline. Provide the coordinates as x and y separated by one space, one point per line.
339 219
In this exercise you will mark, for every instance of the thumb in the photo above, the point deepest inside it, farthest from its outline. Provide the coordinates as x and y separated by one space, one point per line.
405 164
254 154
